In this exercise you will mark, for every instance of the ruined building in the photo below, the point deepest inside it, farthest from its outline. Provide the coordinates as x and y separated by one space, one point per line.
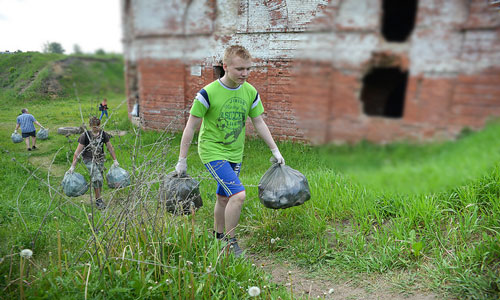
326 70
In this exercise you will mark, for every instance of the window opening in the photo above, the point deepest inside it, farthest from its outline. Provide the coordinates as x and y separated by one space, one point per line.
398 19
383 92
218 72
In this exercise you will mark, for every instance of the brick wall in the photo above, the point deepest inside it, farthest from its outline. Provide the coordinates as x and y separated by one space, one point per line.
310 61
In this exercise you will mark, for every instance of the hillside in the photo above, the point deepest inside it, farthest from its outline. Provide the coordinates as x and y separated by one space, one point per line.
24 76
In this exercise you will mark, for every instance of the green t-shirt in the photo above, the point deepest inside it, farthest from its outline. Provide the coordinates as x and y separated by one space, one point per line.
224 111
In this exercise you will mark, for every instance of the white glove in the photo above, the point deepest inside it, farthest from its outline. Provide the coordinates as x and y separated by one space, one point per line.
71 169
181 166
15 130
277 155
115 163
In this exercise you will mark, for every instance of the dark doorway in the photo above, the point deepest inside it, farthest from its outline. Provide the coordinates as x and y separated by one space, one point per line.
218 72
383 92
398 19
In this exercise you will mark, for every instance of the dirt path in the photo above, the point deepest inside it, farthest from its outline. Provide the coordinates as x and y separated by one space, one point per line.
308 286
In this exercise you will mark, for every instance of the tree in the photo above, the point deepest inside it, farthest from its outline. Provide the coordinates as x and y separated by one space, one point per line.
100 52
77 49
53 48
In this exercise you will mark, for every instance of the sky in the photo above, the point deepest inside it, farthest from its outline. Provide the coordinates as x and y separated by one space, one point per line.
27 25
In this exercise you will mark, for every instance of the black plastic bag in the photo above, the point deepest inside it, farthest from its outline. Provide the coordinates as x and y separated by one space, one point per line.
283 187
117 178
74 184
181 194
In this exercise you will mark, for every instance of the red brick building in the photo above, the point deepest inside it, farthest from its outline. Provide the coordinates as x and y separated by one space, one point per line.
326 70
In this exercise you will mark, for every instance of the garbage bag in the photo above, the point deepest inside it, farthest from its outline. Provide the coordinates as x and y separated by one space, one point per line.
74 184
42 134
117 178
16 137
283 187
179 194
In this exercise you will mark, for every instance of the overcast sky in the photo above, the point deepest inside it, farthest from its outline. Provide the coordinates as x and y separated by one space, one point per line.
27 25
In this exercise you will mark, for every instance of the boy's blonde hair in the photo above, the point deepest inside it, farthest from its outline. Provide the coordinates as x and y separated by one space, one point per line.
235 50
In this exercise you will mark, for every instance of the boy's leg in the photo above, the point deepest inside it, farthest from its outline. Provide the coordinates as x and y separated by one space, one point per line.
27 140
229 202
97 192
33 141
96 177
233 211
102 114
219 212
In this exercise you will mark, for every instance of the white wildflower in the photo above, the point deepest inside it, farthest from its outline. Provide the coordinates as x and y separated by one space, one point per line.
168 281
26 253
330 291
273 241
189 263
254 291
210 269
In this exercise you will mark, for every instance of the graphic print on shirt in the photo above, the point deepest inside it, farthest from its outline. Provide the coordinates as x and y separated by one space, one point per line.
231 119
96 147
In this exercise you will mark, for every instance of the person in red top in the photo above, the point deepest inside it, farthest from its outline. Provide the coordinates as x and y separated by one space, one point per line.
103 107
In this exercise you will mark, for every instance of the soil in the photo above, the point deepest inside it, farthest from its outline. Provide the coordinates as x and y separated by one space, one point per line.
306 285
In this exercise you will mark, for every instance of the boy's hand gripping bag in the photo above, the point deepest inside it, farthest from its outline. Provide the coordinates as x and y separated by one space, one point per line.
117 178
16 137
283 187
42 134
74 184
179 194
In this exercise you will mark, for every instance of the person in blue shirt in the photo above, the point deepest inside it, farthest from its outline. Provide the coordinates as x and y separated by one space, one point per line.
26 122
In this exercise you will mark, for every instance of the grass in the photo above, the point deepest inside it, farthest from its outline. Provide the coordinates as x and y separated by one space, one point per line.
430 212
36 76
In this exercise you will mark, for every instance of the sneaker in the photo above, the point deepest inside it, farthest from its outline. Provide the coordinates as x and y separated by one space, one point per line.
34 147
218 235
29 149
100 204
233 245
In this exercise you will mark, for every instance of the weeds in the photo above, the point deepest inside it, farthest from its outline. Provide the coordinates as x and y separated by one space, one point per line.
444 238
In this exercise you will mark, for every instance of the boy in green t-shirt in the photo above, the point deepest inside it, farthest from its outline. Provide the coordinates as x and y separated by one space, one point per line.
222 108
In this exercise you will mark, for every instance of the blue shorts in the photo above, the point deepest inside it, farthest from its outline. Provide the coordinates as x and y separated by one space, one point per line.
226 174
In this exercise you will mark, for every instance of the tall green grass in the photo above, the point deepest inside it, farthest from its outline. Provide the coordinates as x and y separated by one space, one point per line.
429 211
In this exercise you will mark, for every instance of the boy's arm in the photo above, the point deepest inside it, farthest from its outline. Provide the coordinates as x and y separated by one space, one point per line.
78 150
113 153
38 123
261 127
187 136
